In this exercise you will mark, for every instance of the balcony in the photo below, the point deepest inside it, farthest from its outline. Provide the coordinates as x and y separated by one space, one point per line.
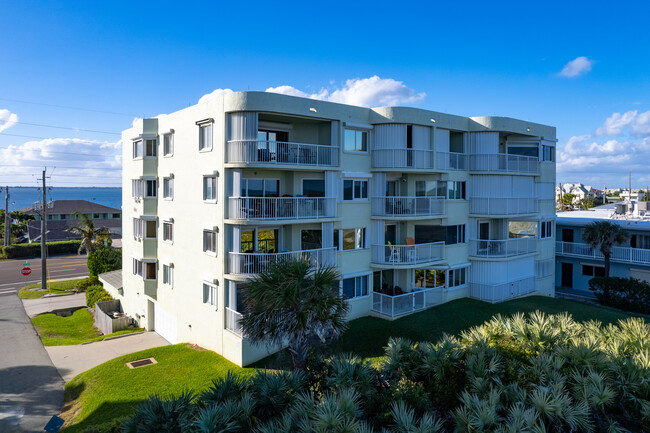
400 255
281 208
402 158
282 153
619 254
451 161
254 263
504 291
497 206
395 306
407 207
232 321
503 248
503 163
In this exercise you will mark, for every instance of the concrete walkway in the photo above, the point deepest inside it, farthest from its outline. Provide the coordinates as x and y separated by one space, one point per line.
73 360
34 307
31 388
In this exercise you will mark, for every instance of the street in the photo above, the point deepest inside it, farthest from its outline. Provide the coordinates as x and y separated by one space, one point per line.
58 268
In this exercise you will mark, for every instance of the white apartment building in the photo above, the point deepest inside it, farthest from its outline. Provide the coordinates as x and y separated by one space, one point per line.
415 208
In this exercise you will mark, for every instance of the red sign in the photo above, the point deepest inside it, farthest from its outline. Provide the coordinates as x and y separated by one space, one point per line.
26 271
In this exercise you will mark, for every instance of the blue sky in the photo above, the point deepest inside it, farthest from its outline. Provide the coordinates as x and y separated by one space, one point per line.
113 61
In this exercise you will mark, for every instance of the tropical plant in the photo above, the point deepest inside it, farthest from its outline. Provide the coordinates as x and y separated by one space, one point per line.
104 259
294 303
603 235
86 229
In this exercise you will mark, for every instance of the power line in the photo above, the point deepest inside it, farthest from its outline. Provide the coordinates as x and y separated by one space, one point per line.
68 107
32 136
61 166
68 127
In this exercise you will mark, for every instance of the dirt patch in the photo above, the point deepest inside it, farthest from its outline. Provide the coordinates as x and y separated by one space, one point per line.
196 347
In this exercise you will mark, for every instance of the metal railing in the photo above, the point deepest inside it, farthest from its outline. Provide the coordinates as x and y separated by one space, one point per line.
282 152
451 161
417 300
402 158
504 291
408 206
408 254
503 248
254 263
503 162
619 254
502 205
232 321
278 208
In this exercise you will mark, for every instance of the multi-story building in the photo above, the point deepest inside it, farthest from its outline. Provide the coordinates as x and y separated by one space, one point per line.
414 208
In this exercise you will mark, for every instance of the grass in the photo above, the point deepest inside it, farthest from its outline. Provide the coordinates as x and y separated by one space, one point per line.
112 390
56 287
75 329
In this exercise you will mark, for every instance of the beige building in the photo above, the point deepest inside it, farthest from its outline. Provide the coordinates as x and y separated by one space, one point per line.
414 207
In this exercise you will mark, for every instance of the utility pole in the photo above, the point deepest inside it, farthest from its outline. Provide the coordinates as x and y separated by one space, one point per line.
7 219
43 236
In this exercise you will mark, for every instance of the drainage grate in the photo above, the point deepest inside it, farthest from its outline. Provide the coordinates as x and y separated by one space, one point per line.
141 363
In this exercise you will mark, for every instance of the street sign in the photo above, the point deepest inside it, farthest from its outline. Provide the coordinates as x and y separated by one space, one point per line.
26 264
26 271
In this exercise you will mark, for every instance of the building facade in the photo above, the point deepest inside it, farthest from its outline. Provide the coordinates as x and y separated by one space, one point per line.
414 208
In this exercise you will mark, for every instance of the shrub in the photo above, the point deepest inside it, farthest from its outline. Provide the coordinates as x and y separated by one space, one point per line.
104 259
87 282
96 294
623 293
34 249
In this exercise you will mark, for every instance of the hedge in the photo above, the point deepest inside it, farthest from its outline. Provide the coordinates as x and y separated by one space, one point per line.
96 294
34 249
623 293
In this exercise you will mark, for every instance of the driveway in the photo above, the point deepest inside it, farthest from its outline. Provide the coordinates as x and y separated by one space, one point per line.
34 307
73 360
31 388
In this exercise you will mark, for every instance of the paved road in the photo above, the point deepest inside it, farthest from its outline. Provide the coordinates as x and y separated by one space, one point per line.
73 360
34 307
31 388
60 267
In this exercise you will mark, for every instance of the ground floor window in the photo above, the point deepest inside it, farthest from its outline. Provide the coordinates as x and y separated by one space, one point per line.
429 278
593 271
354 287
457 277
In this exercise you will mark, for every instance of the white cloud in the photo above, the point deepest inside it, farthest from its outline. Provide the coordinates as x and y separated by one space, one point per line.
7 119
617 123
576 67
365 92
215 93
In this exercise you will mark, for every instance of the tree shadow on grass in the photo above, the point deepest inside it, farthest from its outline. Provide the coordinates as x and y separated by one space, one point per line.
105 418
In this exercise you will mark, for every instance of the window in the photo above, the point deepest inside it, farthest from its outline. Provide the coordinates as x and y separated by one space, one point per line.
456 190
354 287
168 274
355 189
210 241
137 149
457 277
260 188
150 270
151 187
168 144
546 229
97 216
313 187
429 278
205 136
593 271
168 231
548 153
150 229
137 188
311 239
137 267
138 228
116 215
210 188
431 188
450 235
352 239
355 141
524 150
640 241
210 293
63 216
150 148
168 188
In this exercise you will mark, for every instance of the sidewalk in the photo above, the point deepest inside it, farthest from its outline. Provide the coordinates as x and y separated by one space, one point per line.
34 307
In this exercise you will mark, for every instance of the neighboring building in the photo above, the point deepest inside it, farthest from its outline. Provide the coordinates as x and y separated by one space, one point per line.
60 218
414 207
577 262
579 190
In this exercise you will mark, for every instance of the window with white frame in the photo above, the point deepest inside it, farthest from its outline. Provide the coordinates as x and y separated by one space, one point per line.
168 231
137 188
355 189
168 187
137 267
355 140
546 229
150 270
151 148
210 293
457 277
151 188
210 241
429 278
168 144
168 274
456 190
137 149
210 188
354 287
138 228
205 136
350 239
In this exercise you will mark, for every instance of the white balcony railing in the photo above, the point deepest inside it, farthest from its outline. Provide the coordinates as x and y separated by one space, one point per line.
402 158
417 300
408 254
503 248
232 321
619 254
502 205
282 152
408 206
503 162
504 291
279 208
254 263
451 161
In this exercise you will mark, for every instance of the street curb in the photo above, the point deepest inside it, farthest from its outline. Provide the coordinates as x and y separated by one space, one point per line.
115 337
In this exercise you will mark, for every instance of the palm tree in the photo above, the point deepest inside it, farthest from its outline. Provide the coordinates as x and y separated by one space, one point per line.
87 231
602 235
292 302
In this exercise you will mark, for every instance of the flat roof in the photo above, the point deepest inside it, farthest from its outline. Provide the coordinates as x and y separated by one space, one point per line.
584 217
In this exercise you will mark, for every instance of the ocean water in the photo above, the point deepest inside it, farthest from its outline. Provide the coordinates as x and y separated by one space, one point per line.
22 196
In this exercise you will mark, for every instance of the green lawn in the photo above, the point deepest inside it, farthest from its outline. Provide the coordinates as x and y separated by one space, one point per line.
75 329
56 287
112 390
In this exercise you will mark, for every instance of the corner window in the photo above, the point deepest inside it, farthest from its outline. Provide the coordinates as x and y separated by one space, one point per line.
354 189
546 229
168 188
205 136
209 293
137 267
168 144
168 231
150 229
138 228
151 187
137 149
150 270
548 153
351 239
210 188
168 275
457 277
456 190
210 241
355 141
137 188
355 287
151 148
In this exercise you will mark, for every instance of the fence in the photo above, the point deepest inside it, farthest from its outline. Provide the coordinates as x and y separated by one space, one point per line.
408 206
451 161
503 291
503 248
394 306
401 158
278 208
502 205
281 152
619 254
232 321
104 319
254 263
503 162
408 254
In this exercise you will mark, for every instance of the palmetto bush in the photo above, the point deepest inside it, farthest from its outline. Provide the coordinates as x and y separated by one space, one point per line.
535 373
